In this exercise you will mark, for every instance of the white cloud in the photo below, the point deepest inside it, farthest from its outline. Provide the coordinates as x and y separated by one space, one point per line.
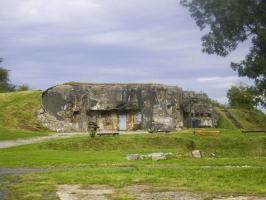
216 79
128 23
30 12
47 42
155 39
220 82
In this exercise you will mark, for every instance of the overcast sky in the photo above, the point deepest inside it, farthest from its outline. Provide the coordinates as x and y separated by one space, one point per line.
45 43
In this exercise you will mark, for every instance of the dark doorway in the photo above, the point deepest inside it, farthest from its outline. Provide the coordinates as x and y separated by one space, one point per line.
195 123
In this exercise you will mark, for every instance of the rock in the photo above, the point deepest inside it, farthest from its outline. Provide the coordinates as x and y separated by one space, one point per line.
196 154
169 153
142 157
158 156
133 156
212 155
153 156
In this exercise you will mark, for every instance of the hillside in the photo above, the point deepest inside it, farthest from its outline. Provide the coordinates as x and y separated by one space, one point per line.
233 118
18 110
249 119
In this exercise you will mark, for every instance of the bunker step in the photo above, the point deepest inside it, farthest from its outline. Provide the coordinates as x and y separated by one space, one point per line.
231 117
103 133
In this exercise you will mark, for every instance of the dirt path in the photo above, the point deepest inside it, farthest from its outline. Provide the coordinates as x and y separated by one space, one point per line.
33 140
21 170
18 142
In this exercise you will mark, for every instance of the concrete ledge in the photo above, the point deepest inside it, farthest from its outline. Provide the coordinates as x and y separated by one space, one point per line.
103 133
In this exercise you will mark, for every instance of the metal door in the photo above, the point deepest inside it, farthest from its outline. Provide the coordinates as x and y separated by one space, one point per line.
195 123
122 122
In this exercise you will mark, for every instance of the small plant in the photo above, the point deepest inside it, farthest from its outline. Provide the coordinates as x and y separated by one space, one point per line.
191 145
92 133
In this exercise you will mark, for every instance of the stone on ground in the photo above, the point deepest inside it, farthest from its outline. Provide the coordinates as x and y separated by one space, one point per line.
196 154
158 156
133 156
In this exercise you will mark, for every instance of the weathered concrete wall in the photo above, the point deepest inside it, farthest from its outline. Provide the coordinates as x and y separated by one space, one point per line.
71 107
198 111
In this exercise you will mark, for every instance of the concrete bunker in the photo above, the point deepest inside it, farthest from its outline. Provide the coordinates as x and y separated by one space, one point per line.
122 107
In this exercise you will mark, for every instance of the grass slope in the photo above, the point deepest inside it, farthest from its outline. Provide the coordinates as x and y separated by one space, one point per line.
240 159
12 134
250 118
223 121
18 111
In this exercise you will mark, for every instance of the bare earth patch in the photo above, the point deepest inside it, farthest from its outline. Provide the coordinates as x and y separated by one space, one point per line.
241 198
76 192
142 192
138 192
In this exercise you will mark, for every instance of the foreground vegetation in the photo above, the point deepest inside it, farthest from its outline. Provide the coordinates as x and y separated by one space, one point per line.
232 163
237 168
12 134
248 118
18 115
18 110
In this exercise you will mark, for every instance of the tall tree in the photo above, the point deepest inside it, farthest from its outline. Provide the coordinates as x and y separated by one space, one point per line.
230 22
241 96
5 85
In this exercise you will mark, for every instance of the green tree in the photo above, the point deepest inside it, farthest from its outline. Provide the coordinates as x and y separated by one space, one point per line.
230 22
23 87
5 85
242 96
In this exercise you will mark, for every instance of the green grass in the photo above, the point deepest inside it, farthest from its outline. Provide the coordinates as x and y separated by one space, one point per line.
18 110
192 179
11 134
223 121
18 115
102 150
250 118
239 166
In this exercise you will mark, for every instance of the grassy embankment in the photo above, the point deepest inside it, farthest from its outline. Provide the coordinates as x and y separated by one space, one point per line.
18 115
249 119
238 168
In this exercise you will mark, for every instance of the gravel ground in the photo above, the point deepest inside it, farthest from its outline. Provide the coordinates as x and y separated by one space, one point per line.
138 192
18 142
16 171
